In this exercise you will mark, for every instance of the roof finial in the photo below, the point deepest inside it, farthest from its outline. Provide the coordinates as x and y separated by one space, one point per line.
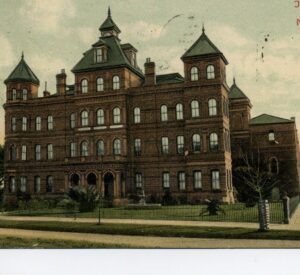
203 28
22 56
109 12
234 80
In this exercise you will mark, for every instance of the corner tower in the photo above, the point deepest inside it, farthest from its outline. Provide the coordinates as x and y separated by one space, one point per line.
22 83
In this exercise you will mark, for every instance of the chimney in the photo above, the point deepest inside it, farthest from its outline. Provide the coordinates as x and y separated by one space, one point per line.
61 82
46 93
150 76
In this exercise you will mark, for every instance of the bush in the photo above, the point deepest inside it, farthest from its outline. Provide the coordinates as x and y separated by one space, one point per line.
134 198
153 199
67 204
182 200
167 198
86 198
11 203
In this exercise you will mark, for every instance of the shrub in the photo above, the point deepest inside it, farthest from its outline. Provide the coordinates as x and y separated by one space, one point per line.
167 198
134 198
67 204
153 199
86 198
11 203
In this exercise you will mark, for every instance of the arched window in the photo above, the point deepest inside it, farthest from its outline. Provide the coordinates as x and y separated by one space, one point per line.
50 151
13 152
38 123
116 115
212 107
196 143
38 152
100 148
164 113
213 142
24 152
84 118
24 94
195 108
274 166
84 149
138 180
210 72
13 124
165 145
137 115
116 82
117 147
72 121
84 86
23 186
49 184
100 84
194 74
215 179
24 124
50 122
73 149
180 145
100 117
137 147
179 111
12 185
37 184
271 135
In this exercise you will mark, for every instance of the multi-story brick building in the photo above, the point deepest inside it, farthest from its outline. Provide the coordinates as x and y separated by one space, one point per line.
123 130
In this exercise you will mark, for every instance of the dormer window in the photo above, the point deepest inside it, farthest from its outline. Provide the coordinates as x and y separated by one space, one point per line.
99 55
271 136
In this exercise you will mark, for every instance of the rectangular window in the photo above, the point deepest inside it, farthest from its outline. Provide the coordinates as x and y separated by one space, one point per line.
181 181
23 186
73 149
100 117
37 184
25 94
215 178
24 124
49 184
50 122
13 124
165 145
24 152
138 180
38 152
14 94
166 180
50 151
99 55
38 123
137 115
137 147
72 121
180 145
197 180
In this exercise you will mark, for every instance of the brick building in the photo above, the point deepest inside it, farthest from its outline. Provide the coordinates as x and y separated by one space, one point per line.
122 130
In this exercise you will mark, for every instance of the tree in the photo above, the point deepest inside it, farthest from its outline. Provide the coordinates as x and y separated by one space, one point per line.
254 177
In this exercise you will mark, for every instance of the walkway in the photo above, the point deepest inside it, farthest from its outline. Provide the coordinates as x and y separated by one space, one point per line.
150 242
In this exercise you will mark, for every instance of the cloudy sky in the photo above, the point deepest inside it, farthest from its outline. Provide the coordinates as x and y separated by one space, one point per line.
260 39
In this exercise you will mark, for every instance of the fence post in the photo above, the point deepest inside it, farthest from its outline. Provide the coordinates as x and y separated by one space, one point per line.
286 209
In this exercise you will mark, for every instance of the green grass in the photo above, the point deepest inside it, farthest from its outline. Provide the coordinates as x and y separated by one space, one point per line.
14 242
154 230
233 213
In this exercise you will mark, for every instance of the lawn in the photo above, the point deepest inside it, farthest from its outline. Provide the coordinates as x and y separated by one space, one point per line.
154 230
232 213
14 242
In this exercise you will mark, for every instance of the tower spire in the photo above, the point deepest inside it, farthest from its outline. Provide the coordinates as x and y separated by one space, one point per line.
234 80
203 28
22 56
109 12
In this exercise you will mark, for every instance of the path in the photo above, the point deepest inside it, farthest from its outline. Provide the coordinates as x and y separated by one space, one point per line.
150 242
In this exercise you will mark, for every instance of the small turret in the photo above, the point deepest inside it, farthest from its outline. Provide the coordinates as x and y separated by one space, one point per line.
109 27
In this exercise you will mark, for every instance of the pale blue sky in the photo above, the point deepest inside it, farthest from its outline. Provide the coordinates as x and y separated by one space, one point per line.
54 34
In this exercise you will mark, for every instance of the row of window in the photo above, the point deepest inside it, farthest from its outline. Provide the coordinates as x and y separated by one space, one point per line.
210 73
38 123
12 188
181 180
19 95
100 151
84 84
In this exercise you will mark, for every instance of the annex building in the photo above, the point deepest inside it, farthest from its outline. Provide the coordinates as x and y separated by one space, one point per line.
123 129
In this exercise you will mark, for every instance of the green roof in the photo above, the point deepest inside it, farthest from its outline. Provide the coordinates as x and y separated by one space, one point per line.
203 46
23 73
169 78
115 57
236 93
109 24
268 119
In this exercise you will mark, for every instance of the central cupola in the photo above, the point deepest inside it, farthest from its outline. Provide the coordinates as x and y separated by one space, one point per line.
109 27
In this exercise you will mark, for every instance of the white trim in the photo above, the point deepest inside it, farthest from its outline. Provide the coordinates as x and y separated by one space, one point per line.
100 128
84 129
116 126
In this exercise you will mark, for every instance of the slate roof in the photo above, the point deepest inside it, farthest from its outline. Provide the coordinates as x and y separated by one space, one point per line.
236 93
115 57
169 78
203 46
269 119
22 72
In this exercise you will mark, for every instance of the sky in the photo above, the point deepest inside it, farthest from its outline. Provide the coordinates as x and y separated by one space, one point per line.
260 39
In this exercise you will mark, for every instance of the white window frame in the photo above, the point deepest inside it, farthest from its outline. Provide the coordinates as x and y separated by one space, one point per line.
137 147
73 151
99 55
165 145
116 82
195 108
84 118
181 181
24 94
37 150
271 136
215 179
23 184
100 84
50 123
180 145
212 107
116 115
137 115
117 146
210 72
197 179
84 148
179 111
196 139
138 180
194 73
24 152
100 148
12 185
84 85
13 124
38 123
24 123
166 180
213 141
50 154
164 113
100 117
72 120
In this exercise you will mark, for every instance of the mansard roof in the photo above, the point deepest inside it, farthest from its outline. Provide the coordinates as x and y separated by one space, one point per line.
169 78
203 47
236 93
115 57
269 119
22 73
